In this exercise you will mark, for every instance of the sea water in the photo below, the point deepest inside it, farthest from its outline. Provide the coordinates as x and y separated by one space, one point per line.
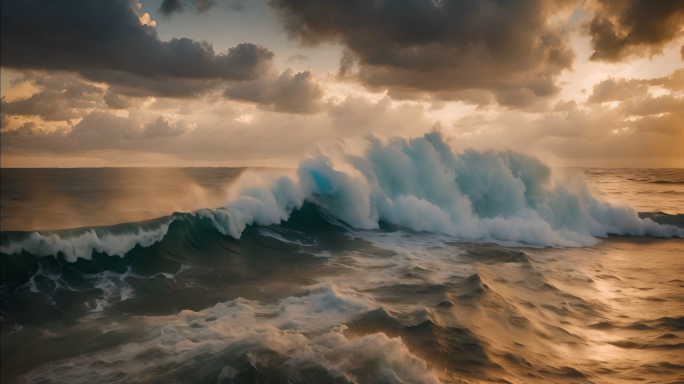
408 264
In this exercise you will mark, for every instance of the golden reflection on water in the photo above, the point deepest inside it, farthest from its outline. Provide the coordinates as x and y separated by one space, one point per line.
581 315
635 283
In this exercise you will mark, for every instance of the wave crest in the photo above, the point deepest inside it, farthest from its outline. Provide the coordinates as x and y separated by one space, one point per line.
423 185
81 243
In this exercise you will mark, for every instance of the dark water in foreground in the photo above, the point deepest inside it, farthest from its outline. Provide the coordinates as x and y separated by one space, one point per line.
313 300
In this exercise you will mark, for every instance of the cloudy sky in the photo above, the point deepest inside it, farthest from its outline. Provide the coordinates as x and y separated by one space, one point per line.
266 83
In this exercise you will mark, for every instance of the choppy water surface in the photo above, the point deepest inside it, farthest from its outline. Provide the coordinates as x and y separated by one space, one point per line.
199 297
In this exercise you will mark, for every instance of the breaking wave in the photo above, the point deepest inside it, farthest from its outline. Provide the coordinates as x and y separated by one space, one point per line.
420 184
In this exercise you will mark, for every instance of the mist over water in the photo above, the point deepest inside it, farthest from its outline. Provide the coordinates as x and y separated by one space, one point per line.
34 199
407 264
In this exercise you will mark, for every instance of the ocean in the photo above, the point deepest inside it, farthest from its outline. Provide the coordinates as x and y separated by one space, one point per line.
407 264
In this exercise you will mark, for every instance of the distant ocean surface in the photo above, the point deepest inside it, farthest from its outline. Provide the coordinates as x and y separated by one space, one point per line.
320 278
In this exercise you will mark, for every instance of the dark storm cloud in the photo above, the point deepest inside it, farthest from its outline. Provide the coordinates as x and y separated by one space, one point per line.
288 93
203 5
141 86
441 47
51 106
347 62
71 85
105 40
117 101
169 7
623 27
297 57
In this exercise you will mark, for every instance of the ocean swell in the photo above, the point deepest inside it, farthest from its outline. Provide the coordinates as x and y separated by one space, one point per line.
419 183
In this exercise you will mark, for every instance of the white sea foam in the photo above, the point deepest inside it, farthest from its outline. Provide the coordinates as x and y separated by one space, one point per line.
83 243
281 234
421 184
113 285
306 330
